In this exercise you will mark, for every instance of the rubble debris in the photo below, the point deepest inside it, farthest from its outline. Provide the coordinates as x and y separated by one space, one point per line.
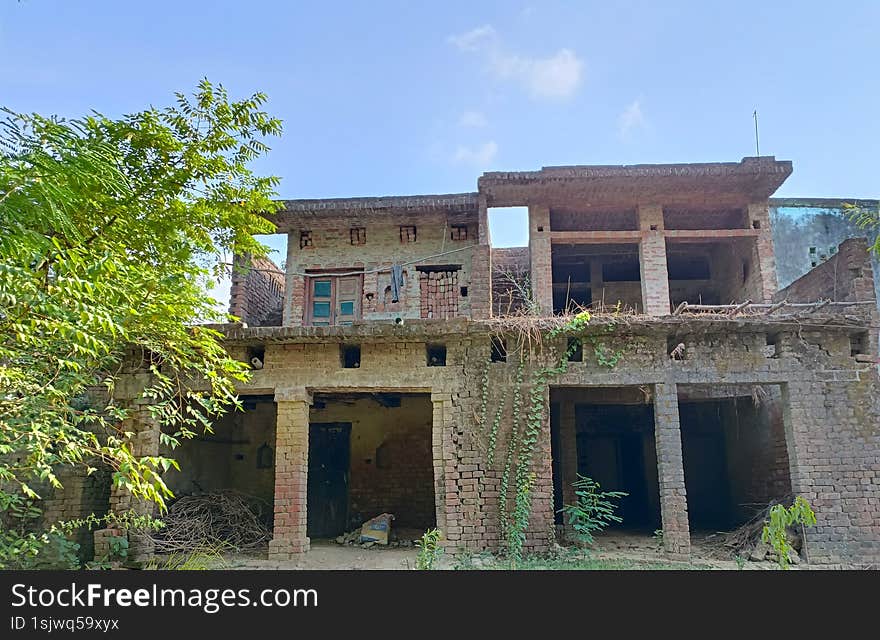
377 529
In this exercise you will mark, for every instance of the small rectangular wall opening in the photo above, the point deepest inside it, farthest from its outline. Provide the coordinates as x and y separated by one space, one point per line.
858 343
436 354
498 350
771 348
607 434
256 356
675 348
350 356
734 453
370 453
575 350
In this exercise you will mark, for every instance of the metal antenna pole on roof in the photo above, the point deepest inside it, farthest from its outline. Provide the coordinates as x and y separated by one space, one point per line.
757 148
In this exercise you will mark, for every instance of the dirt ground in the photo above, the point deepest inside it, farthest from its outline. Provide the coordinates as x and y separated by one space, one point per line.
617 546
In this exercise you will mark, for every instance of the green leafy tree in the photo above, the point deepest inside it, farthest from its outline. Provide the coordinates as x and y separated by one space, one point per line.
111 232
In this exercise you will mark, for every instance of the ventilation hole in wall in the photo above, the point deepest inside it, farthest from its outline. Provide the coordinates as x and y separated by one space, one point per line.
458 232
436 354
499 350
407 233
858 343
305 239
464 292
350 356
675 348
256 356
653 227
855 272
358 235
383 456
540 229
756 224
575 350
771 348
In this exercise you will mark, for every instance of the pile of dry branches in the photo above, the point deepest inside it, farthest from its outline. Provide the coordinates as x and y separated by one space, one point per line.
741 541
228 519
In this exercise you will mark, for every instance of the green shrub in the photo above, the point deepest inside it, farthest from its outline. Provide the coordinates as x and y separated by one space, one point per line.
429 549
776 528
594 509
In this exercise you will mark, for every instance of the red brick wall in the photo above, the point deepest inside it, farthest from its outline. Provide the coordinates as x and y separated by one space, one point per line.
257 291
846 276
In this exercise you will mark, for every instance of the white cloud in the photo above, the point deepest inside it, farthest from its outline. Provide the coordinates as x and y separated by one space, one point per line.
475 39
554 77
480 156
472 119
631 120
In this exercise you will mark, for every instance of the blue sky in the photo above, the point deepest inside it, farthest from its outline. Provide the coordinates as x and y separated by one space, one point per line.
385 98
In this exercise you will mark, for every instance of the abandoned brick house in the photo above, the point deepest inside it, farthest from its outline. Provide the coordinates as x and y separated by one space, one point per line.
382 342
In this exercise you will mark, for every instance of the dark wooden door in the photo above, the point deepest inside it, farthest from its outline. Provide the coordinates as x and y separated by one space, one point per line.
327 501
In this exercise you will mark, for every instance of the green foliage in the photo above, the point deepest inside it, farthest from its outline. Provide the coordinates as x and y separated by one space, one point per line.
205 557
594 509
429 549
775 530
740 561
865 218
527 421
110 232
658 538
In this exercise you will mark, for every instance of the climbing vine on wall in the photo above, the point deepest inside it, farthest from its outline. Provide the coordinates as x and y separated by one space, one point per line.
528 416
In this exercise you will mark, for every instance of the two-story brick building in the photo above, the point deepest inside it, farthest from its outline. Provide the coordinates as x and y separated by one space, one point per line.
391 373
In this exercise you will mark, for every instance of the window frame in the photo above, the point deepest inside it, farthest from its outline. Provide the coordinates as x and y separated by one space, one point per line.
334 278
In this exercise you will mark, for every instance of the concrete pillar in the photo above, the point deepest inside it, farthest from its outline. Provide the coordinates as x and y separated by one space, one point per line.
539 255
652 261
289 537
764 256
670 471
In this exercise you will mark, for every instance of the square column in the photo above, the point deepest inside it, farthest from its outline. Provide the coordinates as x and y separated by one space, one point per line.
539 257
765 258
670 472
144 442
568 455
289 537
652 262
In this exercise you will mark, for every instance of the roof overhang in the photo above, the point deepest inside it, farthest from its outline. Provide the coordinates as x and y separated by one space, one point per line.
716 184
